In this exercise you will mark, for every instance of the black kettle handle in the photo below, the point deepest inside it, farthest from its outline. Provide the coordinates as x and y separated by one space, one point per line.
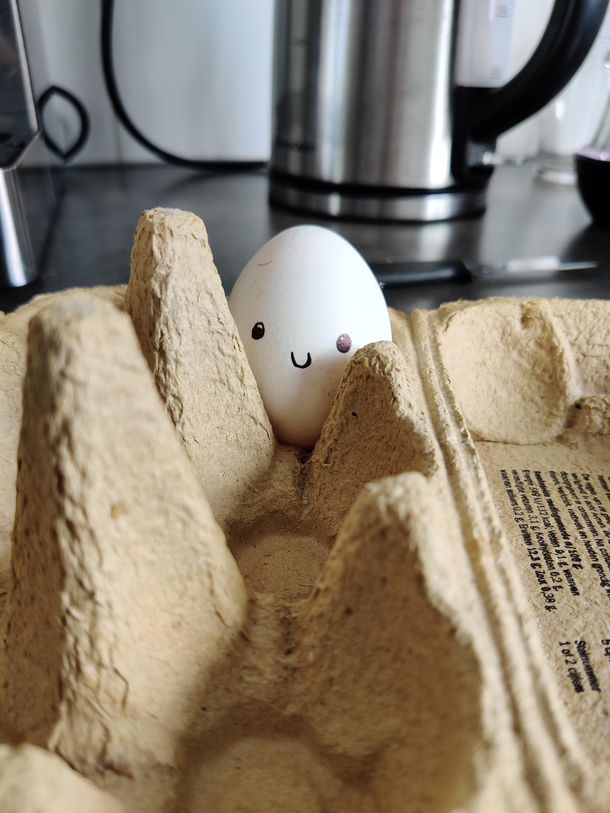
569 35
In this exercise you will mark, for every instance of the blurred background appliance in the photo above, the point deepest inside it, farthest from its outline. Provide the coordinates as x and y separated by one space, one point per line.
372 118
571 119
593 169
196 76
27 200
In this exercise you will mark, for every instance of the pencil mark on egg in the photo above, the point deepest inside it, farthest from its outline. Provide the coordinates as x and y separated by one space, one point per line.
301 366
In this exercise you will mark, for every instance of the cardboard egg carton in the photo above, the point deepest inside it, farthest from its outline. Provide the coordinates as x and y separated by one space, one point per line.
414 617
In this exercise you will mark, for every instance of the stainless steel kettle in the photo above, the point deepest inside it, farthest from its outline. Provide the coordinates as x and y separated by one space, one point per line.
369 121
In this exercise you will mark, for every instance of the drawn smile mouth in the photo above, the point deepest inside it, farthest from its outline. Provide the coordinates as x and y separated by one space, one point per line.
301 366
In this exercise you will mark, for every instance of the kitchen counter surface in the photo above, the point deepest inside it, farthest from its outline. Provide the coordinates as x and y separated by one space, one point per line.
93 230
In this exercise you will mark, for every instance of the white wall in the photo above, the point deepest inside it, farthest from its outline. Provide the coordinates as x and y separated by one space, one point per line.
195 75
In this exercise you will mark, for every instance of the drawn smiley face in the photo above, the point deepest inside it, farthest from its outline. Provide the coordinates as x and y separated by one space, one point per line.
344 343
303 305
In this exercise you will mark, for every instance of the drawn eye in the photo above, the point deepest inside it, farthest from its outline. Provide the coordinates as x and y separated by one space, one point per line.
344 343
258 331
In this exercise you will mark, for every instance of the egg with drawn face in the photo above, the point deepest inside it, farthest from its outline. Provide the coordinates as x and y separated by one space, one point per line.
303 305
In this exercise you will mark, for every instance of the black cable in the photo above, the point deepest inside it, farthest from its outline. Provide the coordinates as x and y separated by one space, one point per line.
123 116
85 123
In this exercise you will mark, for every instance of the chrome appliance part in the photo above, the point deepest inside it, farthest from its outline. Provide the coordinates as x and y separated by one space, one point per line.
368 121
363 91
366 205
18 122
17 265
26 192
27 203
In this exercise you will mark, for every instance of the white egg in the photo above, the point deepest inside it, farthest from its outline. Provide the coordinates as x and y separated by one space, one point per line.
303 305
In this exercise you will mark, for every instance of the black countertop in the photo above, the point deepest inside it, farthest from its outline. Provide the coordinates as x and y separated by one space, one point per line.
93 230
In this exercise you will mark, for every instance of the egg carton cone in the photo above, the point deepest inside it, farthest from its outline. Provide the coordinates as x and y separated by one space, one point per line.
413 617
